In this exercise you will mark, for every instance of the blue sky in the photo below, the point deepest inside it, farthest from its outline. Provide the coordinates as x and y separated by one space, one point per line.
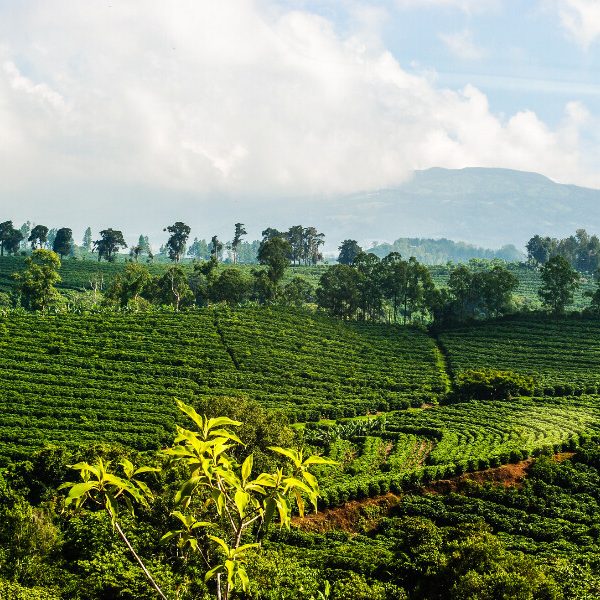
136 110
519 52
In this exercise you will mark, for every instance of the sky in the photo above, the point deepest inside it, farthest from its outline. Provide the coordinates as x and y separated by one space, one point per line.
132 115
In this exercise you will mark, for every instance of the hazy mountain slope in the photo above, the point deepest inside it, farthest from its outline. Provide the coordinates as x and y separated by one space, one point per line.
487 207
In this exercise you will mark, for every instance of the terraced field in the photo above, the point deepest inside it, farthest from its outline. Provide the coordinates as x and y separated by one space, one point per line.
443 441
562 354
73 379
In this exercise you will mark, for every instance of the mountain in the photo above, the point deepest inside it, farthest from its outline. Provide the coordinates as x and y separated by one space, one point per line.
486 207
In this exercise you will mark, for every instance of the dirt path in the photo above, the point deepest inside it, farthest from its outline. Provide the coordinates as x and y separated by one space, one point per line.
357 514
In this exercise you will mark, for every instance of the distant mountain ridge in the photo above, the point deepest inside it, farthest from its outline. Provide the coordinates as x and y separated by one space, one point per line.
486 207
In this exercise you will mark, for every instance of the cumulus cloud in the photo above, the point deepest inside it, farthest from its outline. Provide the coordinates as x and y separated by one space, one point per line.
581 19
462 45
242 98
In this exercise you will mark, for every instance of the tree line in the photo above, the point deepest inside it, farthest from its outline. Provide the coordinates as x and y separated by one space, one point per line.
581 251
304 243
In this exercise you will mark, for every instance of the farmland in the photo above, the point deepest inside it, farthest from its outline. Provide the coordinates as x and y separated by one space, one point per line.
71 378
562 354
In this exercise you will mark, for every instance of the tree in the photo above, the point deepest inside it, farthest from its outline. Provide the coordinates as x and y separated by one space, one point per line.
295 236
10 238
130 286
38 236
298 292
240 232
539 249
216 248
199 250
173 288
86 243
25 230
242 506
63 242
349 250
312 240
110 242
339 291
51 238
36 283
275 254
231 286
176 243
559 283
6 229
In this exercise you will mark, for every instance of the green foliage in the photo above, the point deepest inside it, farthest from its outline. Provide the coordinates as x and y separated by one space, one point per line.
179 233
559 283
491 384
36 284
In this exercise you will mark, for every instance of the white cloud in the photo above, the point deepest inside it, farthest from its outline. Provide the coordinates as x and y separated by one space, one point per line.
240 98
462 45
581 19
468 6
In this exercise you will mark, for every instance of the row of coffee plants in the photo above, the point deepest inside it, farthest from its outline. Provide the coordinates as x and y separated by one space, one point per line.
540 540
112 377
336 369
562 355
444 441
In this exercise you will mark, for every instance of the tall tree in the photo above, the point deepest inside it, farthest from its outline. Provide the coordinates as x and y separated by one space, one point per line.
36 283
25 230
199 250
274 253
38 236
540 249
63 242
178 239
295 237
10 238
339 292
51 237
110 242
349 250
173 288
87 241
312 240
559 283
216 248
240 232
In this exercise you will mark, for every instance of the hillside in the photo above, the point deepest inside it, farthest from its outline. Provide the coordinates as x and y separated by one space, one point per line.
74 379
486 207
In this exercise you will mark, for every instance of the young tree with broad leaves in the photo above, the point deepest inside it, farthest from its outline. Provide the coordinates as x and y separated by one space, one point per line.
241 504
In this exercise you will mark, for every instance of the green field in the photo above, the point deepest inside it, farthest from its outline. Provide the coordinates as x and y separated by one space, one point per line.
112 377
563 355
78 275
